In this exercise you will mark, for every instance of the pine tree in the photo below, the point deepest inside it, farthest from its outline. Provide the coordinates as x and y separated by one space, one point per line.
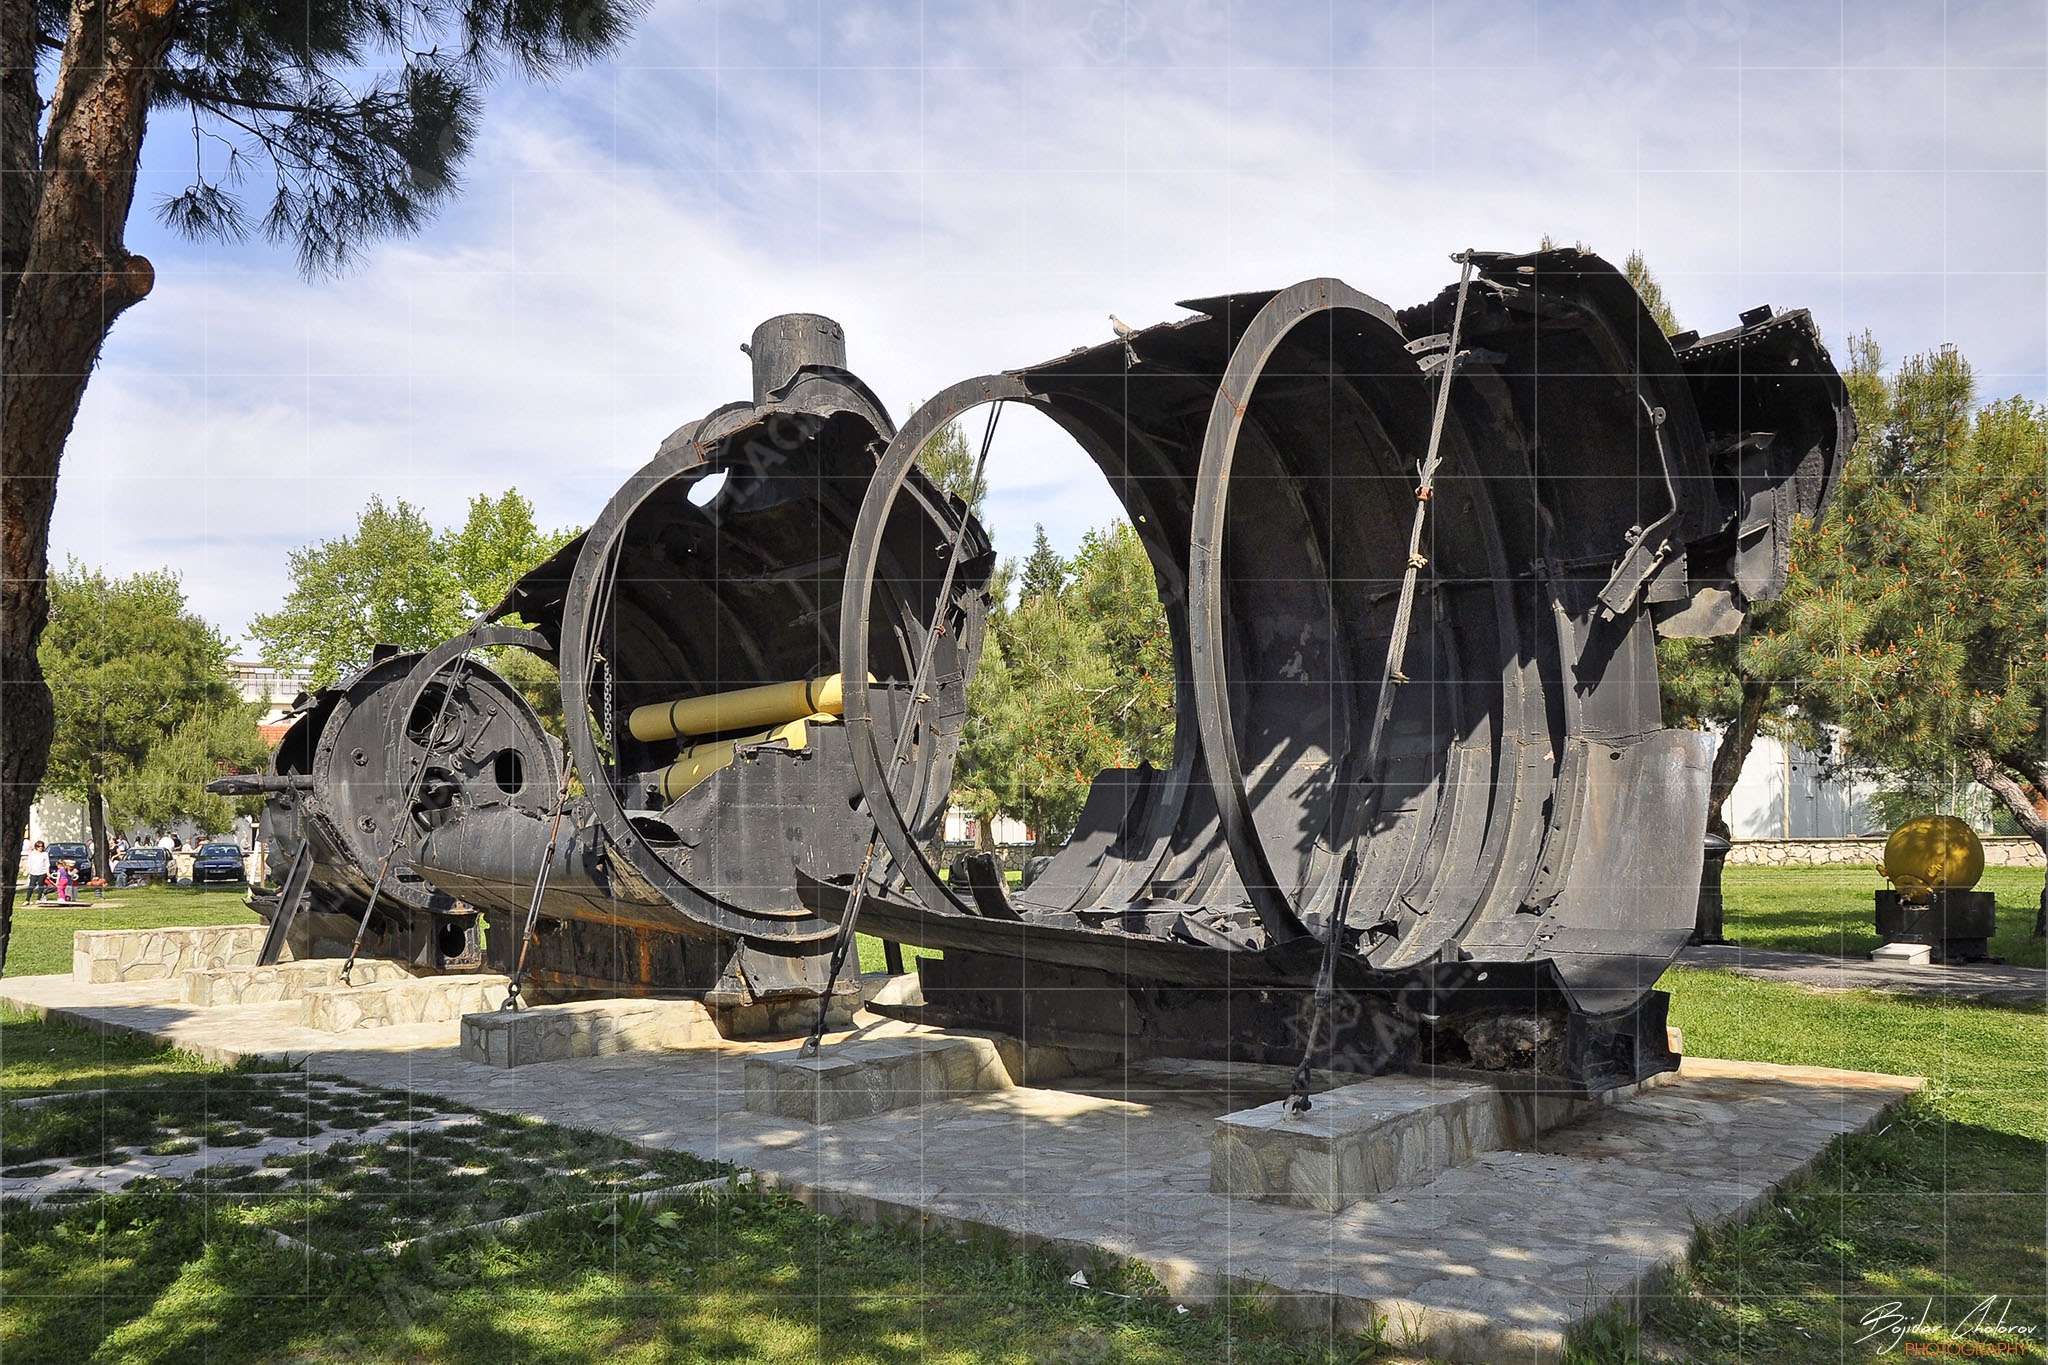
1045 573
361 115
1918 619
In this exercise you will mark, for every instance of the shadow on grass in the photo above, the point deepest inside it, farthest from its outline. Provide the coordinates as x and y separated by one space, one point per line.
749 1277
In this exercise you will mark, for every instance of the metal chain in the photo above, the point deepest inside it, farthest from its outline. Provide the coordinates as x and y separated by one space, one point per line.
412 792
611 711
1390 676
900 754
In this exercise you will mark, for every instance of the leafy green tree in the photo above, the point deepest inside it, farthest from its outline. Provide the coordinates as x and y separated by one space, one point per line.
1638 272
1035 739
495 547
221 736
1919 621
362 116
1075 678
390 582
131 670
1116 591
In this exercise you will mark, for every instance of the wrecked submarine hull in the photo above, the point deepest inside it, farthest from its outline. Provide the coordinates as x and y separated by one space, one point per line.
715 571
1528 847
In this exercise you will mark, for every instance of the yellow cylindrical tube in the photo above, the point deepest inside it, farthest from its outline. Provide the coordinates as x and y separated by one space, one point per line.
700 761
746 708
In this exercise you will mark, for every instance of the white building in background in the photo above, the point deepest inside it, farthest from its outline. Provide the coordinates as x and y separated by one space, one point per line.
1783 794
275 686
964 827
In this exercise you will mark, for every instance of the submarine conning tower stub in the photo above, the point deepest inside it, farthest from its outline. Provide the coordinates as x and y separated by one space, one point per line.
1533 833
713 579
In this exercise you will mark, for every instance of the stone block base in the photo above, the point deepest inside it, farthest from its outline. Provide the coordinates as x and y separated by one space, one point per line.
1357 1141
859 1080
214 986
420 1000
588 1028
1903 954
104 956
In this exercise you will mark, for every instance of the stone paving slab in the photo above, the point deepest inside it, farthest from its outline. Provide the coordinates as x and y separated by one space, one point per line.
1489 1261
127 1164
1965 981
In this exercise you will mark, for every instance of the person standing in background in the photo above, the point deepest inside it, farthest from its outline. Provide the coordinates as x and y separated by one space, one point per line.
37 863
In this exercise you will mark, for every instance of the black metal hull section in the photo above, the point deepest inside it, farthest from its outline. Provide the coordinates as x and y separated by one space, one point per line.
1531 816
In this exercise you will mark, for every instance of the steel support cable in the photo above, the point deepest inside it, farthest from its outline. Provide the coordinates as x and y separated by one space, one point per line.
900 751
540 885
412 791
1391 676
592 655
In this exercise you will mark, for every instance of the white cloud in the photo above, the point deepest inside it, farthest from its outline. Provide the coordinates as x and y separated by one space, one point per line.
979 192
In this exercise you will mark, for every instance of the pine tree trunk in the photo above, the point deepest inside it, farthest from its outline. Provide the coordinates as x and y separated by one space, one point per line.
2028 802
1733 752
96 819
62 293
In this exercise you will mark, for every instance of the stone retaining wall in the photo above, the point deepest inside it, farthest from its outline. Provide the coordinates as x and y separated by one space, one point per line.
1998 852
422 1000
101 956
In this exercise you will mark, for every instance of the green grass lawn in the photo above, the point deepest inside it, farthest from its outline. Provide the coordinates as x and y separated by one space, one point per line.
40 943
160 1276
1829 909
1941 1210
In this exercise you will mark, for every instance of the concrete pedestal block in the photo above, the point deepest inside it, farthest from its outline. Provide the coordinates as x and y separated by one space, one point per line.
104 956
1903 954
214 986
1358 1141
586 1028
862 1079
420 1000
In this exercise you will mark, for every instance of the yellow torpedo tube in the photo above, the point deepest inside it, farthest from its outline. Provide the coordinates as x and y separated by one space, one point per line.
770 705
700 761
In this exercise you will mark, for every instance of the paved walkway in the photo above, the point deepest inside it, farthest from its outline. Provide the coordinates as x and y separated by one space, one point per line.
1972 981
1492 1260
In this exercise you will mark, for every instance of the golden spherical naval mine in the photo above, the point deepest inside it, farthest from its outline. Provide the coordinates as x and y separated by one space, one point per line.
1931 853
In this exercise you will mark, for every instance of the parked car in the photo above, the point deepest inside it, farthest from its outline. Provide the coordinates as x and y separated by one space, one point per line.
218 863
142 866
78 855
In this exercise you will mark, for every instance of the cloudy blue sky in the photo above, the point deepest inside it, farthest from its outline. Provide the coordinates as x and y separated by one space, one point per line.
974 186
